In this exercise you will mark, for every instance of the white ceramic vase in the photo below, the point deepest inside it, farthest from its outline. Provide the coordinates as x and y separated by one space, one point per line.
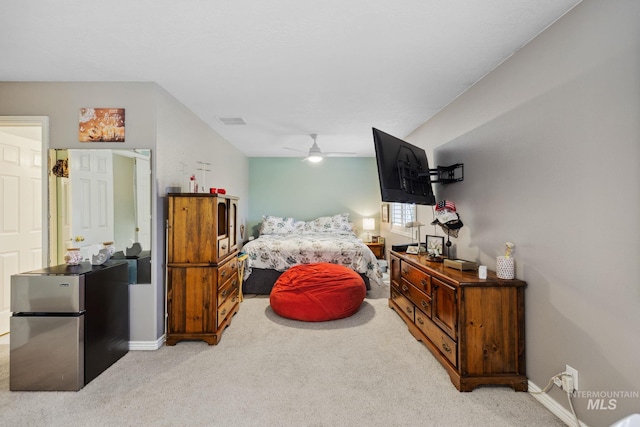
505 267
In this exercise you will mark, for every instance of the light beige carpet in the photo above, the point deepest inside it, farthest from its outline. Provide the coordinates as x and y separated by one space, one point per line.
366 370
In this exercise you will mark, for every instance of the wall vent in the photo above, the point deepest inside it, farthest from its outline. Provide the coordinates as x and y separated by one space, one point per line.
232 120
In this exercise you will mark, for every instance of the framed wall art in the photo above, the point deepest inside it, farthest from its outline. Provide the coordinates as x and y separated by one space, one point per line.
385 212
101 125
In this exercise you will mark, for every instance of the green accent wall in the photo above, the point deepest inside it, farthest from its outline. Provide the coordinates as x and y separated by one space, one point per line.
285 186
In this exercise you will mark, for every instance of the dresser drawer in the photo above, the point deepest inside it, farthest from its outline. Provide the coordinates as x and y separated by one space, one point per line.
416 277
405 288
227 306
416 297
227 289
405 305
223 247
421 300
227 270
445 344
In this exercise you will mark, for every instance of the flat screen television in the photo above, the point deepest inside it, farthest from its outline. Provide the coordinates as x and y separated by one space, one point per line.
403 171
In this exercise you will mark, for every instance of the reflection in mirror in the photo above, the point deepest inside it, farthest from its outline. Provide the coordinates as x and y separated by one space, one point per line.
98 196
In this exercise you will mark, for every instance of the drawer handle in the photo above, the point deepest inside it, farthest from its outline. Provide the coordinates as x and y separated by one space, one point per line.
223 294
424 304
223 273
233 299
424 283
224 246
234 282
446 347
409 311
420 320
405 288
405 271
223 312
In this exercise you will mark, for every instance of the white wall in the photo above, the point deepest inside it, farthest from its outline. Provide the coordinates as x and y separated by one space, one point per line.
154 120
550 143
183 139
61 102
291 188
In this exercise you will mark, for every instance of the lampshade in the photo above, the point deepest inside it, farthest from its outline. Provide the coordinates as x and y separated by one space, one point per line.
368 224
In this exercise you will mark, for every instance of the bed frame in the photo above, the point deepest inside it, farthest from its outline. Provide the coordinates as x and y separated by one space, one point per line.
262 280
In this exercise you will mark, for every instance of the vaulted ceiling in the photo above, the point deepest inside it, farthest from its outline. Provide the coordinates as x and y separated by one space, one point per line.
287 68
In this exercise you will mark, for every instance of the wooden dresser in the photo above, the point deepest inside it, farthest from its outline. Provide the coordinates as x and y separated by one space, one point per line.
202 266
474 327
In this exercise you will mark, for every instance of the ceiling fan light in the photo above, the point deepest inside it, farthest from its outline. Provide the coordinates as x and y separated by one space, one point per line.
314 158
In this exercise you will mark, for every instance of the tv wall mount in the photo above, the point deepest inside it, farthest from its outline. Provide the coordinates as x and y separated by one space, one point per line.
410 176
447 174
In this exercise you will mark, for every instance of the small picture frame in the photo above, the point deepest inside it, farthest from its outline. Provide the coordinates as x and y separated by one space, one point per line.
381 240
385 212
435 245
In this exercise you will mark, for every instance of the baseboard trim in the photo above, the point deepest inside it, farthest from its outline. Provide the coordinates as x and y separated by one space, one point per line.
556 409
146 345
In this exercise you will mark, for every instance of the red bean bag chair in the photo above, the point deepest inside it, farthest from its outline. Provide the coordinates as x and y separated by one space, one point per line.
317 292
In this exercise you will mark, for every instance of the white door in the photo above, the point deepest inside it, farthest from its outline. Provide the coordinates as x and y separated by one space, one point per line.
20 209
143 202
63 216
91 198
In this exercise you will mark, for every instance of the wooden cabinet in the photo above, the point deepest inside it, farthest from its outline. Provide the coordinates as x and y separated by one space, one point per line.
474 327
445 311
202 266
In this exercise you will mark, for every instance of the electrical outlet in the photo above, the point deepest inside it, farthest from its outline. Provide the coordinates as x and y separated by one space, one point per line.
558 381
567 383
574 374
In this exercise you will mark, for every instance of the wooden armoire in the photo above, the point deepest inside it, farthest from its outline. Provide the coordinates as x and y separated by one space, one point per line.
202 266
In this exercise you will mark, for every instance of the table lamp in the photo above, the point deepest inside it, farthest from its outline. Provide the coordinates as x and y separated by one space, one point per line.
368 224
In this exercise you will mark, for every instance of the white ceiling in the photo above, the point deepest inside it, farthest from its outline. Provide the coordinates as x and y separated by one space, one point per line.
289 68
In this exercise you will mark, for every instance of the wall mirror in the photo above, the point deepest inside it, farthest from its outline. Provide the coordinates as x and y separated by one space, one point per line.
98 196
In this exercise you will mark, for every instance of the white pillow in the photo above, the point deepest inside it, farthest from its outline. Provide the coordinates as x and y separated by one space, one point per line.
277 225
328 224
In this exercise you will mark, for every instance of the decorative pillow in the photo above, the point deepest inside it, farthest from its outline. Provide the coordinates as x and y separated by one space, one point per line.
300 226
277 225
328 224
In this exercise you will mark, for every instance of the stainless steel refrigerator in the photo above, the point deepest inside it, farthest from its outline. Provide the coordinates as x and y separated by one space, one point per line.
69 324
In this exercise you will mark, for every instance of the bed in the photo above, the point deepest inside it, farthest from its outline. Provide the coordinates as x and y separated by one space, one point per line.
285 242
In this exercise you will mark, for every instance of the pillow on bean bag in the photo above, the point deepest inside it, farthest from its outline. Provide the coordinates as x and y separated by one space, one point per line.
318 292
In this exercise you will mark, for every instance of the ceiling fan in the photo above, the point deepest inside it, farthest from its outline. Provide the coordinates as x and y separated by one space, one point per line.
316 155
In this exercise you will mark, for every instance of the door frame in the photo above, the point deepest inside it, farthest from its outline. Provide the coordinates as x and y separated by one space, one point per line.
43 122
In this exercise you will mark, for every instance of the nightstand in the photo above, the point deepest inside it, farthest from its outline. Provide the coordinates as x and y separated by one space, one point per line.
377 249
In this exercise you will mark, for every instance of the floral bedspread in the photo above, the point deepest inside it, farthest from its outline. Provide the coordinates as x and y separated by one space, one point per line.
281 251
